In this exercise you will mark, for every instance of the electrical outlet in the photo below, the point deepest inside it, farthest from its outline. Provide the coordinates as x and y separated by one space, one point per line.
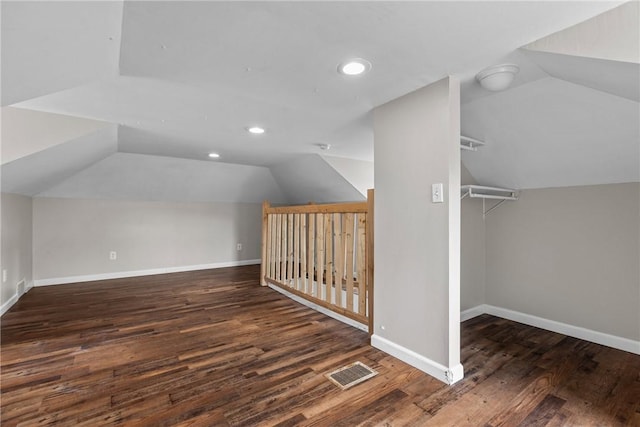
239 247
113 255
4 275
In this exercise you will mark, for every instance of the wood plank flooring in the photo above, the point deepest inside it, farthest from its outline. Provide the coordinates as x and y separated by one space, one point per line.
214 348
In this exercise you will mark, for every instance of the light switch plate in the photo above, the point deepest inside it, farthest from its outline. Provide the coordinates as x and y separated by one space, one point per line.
437 195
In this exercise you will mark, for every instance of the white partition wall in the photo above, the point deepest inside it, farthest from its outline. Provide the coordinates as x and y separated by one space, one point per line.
417 248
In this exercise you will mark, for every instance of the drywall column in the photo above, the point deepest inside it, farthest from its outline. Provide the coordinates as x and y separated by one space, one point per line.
16 259
417 248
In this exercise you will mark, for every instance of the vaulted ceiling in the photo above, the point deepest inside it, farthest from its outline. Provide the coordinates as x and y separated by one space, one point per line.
182 79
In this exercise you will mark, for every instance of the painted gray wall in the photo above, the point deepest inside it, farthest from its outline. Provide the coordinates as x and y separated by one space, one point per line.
16 243
73 237
472 248
570 255
417 257
309 178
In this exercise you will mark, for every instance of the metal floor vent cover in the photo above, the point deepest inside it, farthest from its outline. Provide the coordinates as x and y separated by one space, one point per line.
351 375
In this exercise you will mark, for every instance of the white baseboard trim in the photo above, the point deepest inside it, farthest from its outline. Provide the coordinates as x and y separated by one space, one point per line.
125 274
472 312
613 341
321 309
14 299
9 303
435 369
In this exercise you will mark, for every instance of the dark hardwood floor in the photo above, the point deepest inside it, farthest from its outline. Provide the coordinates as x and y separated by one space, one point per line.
214 348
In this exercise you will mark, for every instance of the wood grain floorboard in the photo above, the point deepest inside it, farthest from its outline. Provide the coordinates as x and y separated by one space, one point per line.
213 348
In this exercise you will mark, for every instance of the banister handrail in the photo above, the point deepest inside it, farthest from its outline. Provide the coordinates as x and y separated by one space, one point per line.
352 207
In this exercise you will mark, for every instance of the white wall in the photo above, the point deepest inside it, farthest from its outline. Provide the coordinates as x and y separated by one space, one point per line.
16 245
570 255
73 237
417 250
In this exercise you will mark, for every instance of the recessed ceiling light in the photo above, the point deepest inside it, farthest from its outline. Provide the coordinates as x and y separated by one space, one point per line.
214 155
354 67
256 130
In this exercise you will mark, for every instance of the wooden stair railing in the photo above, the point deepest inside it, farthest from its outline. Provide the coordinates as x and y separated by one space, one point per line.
322 253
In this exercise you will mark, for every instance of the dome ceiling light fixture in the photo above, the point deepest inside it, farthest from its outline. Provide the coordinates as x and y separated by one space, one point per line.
497 77
354 67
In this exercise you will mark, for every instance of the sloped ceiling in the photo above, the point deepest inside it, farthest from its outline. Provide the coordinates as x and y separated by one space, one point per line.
125 176
32 174
51 46
181 79
310 178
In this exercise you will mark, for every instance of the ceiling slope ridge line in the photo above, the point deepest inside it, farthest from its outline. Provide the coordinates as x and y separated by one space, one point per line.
62 180
103 129
604 92
341 174
593 58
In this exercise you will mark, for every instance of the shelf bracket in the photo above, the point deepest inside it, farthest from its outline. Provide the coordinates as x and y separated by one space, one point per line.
470 144
486 212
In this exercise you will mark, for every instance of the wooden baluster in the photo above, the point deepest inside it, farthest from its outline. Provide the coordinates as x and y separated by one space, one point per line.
311 263
319 255
289 250
285 253
277 253
328 240
267 259
274 245
348 225
338 256
296 251
361 264
303 252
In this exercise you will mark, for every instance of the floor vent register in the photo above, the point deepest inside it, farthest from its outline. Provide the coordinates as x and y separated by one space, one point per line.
351 375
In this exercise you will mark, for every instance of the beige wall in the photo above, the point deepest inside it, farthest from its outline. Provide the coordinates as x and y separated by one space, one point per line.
472 249
417 305
570 255
73 237
16 243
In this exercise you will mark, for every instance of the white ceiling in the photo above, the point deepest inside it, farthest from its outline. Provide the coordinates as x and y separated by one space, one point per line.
181 79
